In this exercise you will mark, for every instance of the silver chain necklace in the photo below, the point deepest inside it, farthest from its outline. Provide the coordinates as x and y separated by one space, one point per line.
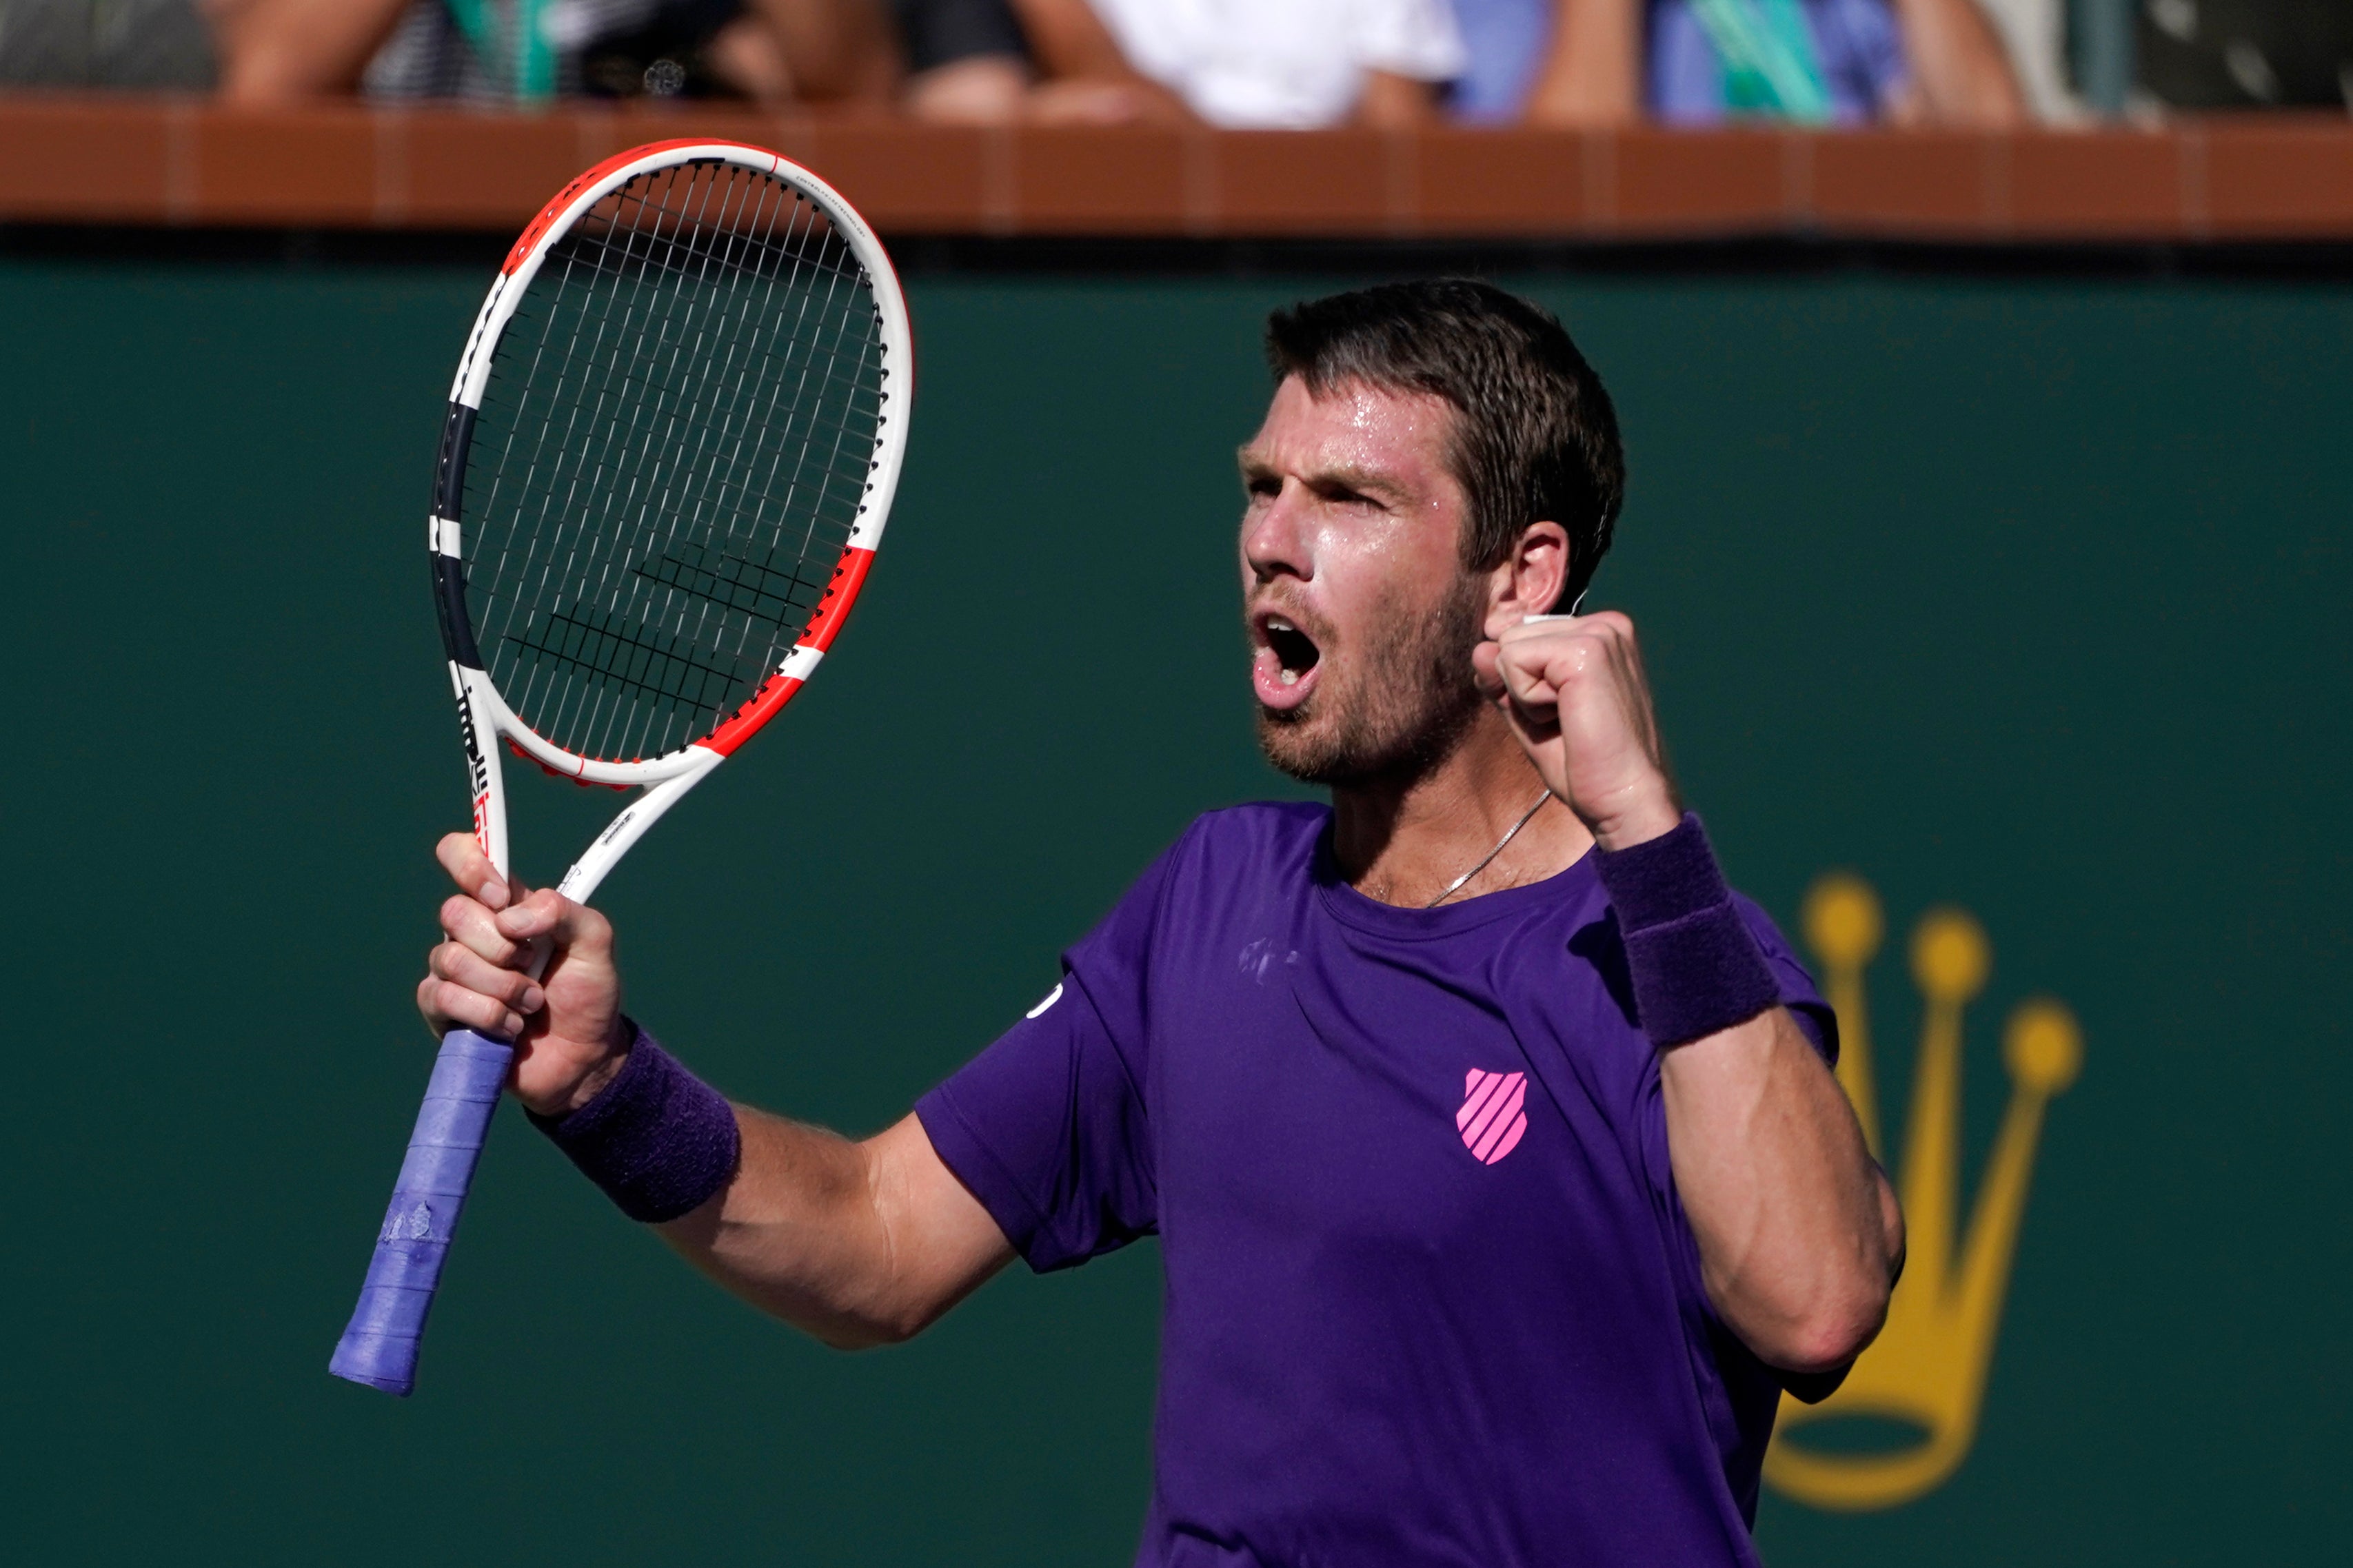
1510 833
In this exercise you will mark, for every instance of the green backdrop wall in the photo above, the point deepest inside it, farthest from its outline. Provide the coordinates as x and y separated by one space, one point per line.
2026 595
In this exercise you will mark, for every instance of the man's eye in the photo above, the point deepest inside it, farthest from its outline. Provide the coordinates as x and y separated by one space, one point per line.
1263 487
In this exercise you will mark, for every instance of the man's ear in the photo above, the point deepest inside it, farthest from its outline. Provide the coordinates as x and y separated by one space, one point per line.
1530 579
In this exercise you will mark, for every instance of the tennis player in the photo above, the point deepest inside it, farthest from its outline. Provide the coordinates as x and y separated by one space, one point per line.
1501 1179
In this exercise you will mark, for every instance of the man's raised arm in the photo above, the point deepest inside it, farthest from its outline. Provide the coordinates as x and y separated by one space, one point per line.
1799 1237
858 1243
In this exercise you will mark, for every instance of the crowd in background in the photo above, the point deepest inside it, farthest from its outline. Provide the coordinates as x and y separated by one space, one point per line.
1235 63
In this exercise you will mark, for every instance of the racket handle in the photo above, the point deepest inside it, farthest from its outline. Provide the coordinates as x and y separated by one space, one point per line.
379 1348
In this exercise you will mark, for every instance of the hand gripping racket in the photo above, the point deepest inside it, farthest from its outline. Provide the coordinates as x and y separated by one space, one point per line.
666 462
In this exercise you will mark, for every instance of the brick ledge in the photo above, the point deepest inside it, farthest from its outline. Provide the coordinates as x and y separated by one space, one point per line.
134 162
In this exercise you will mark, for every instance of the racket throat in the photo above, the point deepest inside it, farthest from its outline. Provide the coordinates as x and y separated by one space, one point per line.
627 828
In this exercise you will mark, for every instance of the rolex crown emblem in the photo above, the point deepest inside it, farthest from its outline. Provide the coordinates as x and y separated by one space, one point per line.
1925 1374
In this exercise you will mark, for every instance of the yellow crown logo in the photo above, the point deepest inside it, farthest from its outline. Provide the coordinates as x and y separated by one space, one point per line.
1926 1371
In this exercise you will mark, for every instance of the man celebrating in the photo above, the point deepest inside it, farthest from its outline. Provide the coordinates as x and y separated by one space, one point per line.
1501 1181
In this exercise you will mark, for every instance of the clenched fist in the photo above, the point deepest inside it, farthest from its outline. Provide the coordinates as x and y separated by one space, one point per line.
1572 688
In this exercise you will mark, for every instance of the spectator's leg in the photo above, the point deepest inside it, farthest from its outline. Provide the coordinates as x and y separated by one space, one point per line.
284 51
745 55
1391 103
968 60
1960 71
1593 72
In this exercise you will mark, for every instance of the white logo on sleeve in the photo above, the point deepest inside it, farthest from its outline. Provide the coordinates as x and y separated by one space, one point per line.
1051 997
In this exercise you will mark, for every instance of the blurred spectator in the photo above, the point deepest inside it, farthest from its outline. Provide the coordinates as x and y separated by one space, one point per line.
965 60
2034 35
1279 64
2247 53
134 44
279 51
1506 45
1844 62
951 58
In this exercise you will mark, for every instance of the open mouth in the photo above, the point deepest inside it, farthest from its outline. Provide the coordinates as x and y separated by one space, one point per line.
1295 652
1283 664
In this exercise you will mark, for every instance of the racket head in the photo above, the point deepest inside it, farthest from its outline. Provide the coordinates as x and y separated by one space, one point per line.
670 454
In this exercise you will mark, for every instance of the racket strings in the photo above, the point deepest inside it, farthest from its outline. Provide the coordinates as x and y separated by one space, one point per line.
682 418
667 337
814 438
624 655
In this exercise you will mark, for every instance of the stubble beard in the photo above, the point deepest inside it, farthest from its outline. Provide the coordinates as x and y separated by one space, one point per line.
1403 709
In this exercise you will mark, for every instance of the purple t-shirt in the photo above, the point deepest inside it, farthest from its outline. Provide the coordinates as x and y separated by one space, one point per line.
1430 1297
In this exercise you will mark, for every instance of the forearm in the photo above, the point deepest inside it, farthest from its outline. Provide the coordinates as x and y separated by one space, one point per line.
833 49
1069 41
1797 1235
857 1244
1768 1160
799 1234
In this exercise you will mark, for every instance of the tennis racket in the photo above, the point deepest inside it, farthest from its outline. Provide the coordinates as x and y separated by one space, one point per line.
666 466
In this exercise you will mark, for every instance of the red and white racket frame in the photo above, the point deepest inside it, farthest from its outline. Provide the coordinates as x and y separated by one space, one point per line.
483 714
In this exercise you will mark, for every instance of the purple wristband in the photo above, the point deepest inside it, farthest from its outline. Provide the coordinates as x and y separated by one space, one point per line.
1696 965
657 1139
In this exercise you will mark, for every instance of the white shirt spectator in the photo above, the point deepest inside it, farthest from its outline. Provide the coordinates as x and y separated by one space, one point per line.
1289 65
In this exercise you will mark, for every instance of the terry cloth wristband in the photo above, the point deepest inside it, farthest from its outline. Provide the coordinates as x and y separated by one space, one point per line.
1696 965
657 1139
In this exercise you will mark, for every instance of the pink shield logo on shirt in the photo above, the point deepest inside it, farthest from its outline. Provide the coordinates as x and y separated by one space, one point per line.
1492 1119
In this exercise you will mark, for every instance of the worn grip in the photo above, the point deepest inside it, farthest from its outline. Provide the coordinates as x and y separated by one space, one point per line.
379 1348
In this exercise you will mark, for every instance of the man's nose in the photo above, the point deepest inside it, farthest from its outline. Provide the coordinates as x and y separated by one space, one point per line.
1275 541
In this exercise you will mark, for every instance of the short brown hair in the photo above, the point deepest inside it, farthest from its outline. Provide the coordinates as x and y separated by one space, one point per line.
1534 436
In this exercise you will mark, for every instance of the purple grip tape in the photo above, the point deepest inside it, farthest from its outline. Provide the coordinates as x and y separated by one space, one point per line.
379 1348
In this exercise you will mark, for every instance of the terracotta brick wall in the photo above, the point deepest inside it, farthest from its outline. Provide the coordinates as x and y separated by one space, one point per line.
152 162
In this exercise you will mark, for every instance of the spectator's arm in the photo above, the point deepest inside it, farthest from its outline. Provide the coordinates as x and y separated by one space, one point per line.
1391 101
1087 81
1960 71
1592 75
283 51
1069 41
